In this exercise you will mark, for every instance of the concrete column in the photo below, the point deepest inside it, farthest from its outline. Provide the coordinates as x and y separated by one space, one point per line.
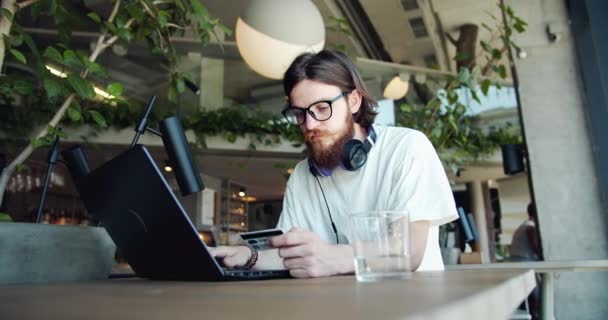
572 224
479 211
212 83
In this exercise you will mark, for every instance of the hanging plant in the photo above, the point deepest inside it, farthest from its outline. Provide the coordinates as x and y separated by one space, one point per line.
440 113
69 90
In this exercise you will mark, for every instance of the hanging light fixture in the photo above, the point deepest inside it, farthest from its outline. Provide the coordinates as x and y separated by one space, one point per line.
398 86
270 34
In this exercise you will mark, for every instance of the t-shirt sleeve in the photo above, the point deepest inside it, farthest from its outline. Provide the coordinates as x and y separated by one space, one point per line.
422 186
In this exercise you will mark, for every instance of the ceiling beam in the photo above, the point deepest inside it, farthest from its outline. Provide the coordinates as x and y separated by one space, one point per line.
364 29
384 67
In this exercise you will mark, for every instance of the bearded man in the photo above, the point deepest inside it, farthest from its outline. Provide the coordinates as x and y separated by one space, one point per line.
352 166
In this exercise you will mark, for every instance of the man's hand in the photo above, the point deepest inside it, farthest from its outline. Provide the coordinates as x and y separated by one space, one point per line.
231 257
307 256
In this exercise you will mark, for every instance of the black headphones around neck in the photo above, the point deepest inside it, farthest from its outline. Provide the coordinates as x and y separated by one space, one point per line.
354 154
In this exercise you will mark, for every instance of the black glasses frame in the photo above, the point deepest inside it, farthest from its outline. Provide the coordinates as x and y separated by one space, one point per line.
308 110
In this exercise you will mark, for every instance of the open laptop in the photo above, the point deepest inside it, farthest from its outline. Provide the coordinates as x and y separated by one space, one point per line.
140 212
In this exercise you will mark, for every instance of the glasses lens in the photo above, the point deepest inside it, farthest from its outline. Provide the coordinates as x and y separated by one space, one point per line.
321 110
295 115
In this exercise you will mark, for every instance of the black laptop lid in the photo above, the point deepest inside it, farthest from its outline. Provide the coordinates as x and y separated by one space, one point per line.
136 206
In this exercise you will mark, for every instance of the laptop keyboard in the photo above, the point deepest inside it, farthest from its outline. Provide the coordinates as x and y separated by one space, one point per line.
252 274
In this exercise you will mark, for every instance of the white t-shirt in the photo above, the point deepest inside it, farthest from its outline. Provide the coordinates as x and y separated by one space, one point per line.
402 171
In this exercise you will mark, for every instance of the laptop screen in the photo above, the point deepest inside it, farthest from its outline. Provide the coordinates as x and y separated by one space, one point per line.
142 215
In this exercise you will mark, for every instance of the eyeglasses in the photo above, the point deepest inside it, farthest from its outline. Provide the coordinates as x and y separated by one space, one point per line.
320 111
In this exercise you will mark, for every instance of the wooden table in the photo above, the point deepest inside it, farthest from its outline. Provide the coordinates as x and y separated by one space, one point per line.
485 294
547 269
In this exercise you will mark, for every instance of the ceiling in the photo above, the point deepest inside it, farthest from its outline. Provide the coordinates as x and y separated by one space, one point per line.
406 33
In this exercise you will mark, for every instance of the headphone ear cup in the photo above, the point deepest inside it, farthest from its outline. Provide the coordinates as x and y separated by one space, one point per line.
354 155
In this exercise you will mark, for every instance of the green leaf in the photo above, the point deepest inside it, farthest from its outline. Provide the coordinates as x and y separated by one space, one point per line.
508 32
475 97
110 27
23 87
461 56
94 67
82 87
502 71
486 46
485 86
520 25
71 59
98 118
120 21
94 16
29 42
475 73
74 114
172 94
509 11
405 107
115 89
226 30
201 14
452 123
7 14
496 54
22 167
17 39
36 9
464 75
135 12
163 18
180 5
125 34
452 97
55 132
40 142
180 85
19 56
53 87
53 7
53 54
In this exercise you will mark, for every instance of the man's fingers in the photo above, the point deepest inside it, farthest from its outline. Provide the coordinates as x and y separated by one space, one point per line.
297 263
291 238
305 273
231 257
303 250
299 273
234 261
223 251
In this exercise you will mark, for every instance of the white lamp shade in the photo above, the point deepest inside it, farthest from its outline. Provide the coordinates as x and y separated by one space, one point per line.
270 34
396 88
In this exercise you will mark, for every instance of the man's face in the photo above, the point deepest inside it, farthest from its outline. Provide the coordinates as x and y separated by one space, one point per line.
324 139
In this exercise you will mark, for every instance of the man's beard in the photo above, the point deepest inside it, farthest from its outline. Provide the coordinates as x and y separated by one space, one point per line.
328 157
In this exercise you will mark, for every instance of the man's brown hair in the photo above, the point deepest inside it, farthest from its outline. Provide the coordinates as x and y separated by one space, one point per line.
333 68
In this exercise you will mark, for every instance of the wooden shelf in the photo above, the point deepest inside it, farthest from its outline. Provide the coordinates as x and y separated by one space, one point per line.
234 210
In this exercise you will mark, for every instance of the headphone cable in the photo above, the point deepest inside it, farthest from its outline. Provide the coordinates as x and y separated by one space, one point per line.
333 225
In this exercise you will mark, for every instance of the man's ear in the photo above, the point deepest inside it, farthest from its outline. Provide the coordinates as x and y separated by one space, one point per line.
354 101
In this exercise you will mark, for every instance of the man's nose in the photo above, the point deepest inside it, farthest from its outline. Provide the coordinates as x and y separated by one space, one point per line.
310 122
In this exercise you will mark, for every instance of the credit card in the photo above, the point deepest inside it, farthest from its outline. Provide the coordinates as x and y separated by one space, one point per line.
259 239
